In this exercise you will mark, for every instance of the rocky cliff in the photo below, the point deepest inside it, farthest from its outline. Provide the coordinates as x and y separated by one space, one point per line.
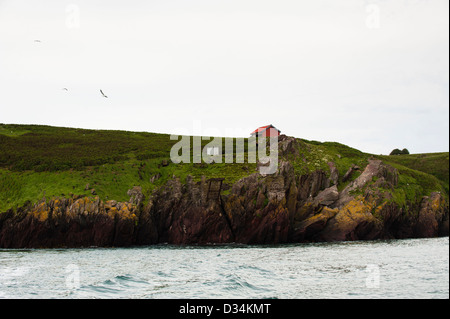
280 208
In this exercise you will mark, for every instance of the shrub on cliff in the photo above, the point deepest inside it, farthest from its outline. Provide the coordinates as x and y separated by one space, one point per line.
399 152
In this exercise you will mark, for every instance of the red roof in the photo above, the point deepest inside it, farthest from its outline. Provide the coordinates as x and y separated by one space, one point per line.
261 129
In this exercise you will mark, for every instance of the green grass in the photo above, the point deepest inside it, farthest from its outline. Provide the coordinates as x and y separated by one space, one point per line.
420 175
436 164
12 130
45 148
316 155
413 185
110 181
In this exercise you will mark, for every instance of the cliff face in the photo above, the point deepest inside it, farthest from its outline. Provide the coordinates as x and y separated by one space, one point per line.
70 222
278 208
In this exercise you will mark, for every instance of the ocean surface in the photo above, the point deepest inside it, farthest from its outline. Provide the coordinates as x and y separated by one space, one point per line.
413 268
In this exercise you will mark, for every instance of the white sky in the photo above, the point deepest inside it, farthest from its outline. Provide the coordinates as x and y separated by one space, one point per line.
370 74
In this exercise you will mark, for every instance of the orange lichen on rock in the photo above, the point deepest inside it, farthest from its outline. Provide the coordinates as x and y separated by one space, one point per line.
41 212
350 221
436 203
120 210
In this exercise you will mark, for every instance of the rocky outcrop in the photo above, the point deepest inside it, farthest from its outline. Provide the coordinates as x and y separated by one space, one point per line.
72 222
136 196
354 221
386 177
257 210
432 217
183 214
278 208
327 197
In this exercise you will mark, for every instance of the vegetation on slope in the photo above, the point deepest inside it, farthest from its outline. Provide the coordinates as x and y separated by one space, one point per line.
436 164
38 161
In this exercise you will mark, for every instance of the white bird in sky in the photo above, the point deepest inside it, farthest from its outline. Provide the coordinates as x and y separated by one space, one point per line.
103 93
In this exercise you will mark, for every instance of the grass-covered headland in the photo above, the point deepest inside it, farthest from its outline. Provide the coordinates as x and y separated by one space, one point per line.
43 161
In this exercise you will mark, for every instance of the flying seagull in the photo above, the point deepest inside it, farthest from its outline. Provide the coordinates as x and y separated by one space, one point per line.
65 89
103 93
37 41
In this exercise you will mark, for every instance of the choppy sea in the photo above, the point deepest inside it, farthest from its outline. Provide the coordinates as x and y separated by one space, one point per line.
412 268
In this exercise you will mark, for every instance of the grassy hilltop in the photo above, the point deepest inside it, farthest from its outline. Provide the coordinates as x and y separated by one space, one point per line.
38 161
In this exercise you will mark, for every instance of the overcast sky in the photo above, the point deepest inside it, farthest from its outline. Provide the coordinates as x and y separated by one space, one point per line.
373 75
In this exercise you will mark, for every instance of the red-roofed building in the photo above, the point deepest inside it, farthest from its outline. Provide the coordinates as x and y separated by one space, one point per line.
266 131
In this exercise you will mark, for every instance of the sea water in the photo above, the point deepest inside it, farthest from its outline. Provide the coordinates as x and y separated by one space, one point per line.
412 268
